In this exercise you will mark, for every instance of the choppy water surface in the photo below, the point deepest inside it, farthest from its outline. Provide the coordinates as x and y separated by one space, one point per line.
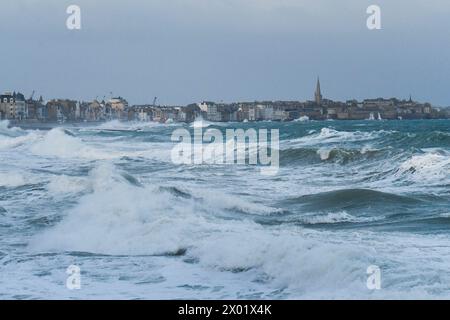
109 199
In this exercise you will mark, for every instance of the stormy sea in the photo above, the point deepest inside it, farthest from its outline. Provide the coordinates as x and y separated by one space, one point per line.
108 198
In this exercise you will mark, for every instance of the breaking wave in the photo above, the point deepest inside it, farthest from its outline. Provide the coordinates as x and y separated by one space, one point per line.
328 135
12 179
120 218
332 154
336 217
58 143
430 166
345 198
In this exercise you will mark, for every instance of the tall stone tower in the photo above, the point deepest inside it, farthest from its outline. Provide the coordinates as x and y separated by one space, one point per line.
318 94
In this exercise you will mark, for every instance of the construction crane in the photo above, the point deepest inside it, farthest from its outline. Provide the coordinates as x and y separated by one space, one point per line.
32 95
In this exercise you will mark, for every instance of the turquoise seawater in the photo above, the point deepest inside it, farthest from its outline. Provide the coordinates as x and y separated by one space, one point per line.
109 199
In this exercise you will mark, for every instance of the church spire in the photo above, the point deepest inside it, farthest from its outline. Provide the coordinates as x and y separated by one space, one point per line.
318 93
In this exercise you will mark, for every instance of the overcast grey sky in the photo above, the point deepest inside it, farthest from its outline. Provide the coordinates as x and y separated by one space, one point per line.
232 50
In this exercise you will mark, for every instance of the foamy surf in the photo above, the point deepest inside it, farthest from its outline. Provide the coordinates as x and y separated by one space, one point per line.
347 196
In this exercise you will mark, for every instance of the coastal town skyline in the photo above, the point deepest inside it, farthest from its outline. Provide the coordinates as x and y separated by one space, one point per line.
226 50
166 101
16 107
163 100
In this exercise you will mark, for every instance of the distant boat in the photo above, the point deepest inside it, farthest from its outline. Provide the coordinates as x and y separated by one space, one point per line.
371 117
245 120
379 116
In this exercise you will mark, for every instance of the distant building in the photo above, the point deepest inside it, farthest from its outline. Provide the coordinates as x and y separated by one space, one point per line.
213 113
61 110
96 111
13 106
378 103
266 112
228 112
253 113
190 113
118 106
165 114
36 109
280 115
142 113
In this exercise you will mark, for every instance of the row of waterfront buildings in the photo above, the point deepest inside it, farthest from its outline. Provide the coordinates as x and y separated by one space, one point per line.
15 107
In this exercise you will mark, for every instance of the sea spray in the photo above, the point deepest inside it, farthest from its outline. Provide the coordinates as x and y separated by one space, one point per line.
140 226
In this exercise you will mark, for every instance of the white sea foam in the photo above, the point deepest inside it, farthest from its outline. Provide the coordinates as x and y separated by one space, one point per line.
220 200
200 123
336 217
12 179
63 184
101 178
14 137
324 153
368 148
9 131
329 135
120 218
116 214
302 119
13 142
428 166
57 143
